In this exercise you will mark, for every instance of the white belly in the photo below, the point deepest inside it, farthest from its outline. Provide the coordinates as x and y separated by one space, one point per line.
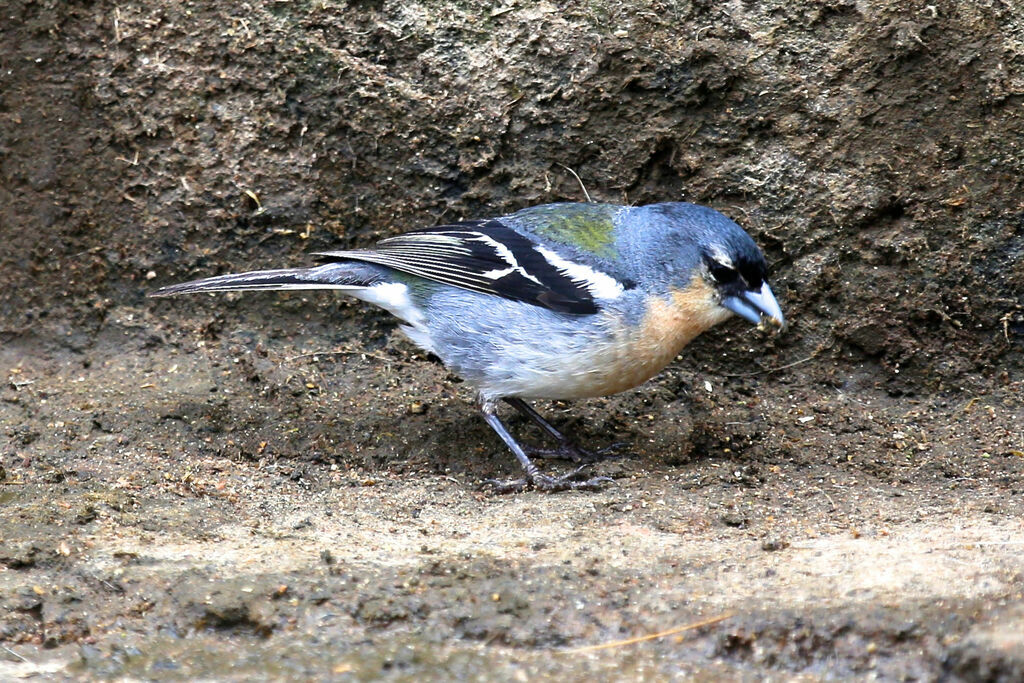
626 359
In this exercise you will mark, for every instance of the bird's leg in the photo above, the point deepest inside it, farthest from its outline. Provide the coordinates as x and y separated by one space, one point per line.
567 449
533 476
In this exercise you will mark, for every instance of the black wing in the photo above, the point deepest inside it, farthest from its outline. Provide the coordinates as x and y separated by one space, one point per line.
487 256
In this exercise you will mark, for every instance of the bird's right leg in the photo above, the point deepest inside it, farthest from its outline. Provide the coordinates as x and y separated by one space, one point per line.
533 477
567 449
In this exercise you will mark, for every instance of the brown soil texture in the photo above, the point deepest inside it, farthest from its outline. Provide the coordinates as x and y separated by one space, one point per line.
274 485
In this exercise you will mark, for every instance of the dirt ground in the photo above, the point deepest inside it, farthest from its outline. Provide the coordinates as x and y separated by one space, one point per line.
242 486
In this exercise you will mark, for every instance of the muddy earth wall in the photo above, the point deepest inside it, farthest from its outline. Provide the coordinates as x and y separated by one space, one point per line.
268 444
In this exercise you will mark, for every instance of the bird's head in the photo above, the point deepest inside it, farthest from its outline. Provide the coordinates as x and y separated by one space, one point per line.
700 248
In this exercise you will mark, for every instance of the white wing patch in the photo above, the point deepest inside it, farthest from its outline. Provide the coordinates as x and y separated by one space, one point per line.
506 255
600 285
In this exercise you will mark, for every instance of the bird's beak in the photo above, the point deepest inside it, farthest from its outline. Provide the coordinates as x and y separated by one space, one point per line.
756 306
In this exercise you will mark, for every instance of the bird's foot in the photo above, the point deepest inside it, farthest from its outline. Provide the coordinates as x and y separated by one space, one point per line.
573 481
567 450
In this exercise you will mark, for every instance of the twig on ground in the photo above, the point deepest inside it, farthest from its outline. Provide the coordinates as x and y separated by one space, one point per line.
652 636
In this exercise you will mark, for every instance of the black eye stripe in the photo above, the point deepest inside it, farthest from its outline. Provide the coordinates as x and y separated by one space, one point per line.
745 270
721 273
753 276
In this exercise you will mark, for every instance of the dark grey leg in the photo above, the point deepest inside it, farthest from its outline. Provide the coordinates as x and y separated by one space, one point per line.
527 410
566 449
534 477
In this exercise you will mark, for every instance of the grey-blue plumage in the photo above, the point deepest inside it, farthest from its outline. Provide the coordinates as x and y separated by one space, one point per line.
557 301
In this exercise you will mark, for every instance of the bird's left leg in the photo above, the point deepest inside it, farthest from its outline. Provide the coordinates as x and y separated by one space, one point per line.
567 449
533 476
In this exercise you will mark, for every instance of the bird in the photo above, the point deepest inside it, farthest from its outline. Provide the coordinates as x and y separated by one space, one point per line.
558 301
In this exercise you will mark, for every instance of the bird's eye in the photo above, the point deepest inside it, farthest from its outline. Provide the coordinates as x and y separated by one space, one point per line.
723 275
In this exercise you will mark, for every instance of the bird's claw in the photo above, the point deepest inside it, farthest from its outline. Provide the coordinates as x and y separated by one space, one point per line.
548 484
577 454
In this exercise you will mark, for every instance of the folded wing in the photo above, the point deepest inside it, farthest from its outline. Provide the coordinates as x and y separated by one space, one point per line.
490 257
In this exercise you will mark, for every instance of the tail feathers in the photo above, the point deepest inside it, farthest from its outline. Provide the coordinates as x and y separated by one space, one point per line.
344 276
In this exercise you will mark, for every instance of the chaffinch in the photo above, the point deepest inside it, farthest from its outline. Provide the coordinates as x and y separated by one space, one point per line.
560 301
